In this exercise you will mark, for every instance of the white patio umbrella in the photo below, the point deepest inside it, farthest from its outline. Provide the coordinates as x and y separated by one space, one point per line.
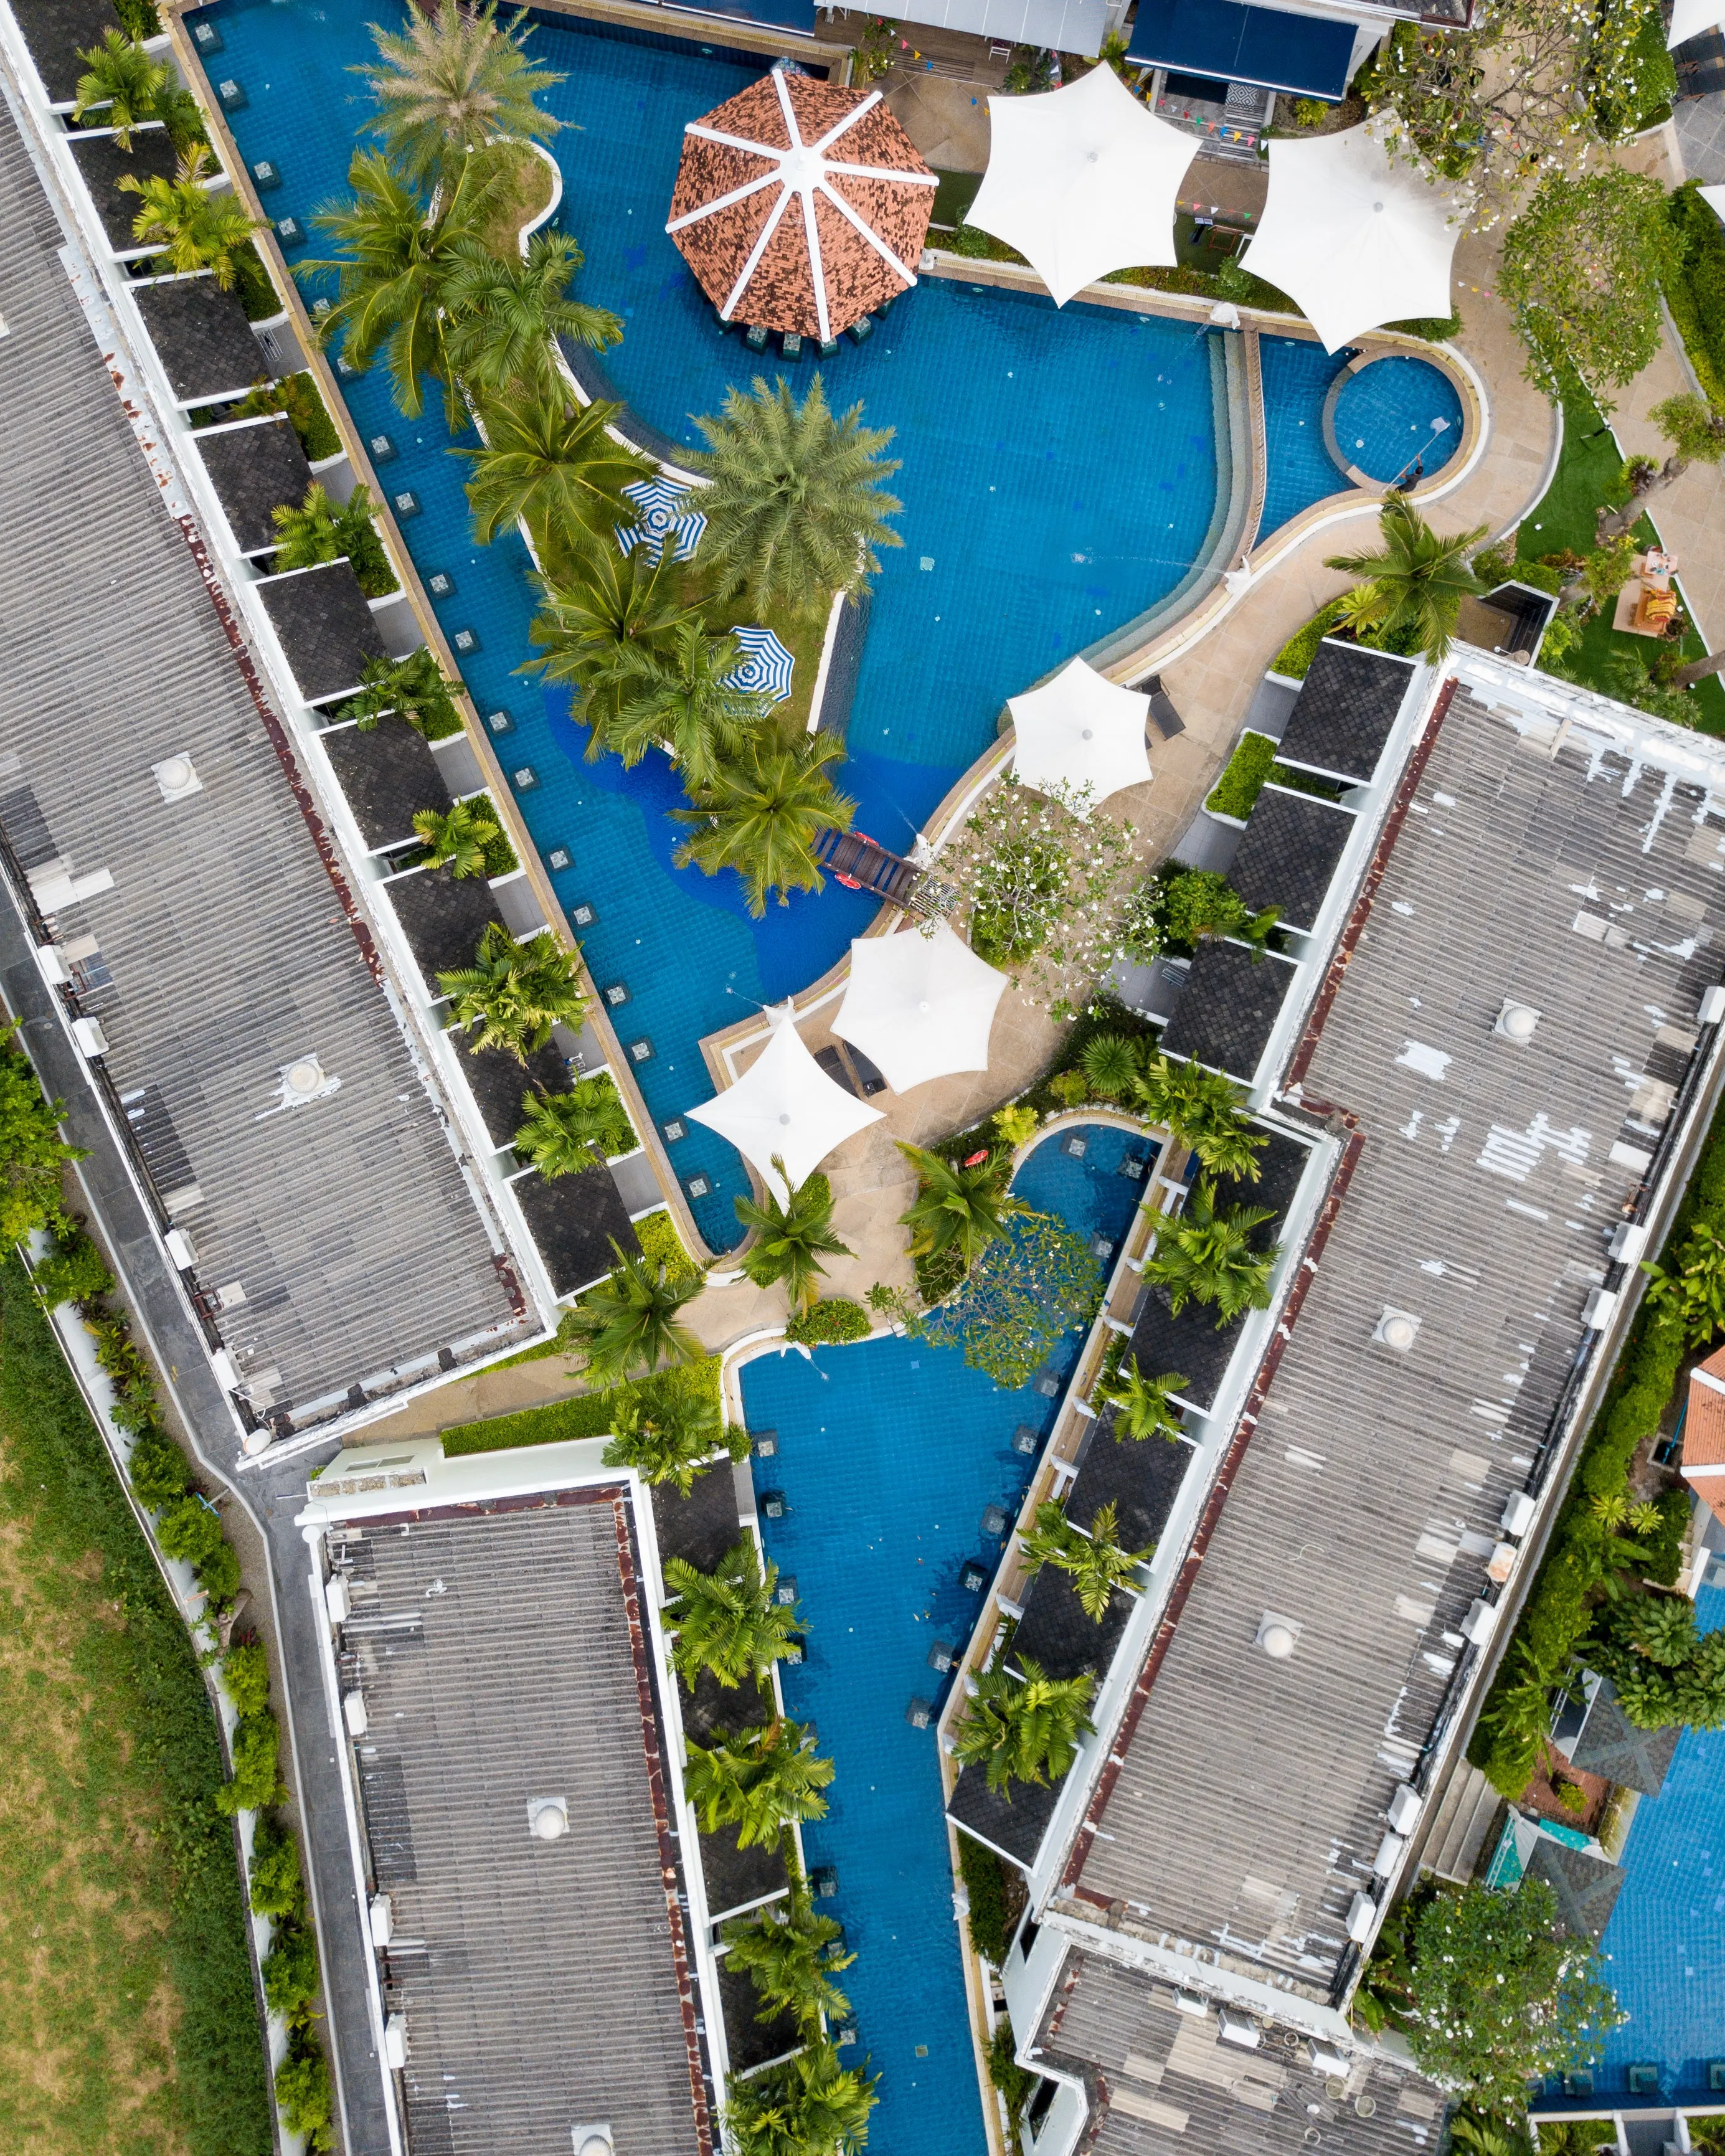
785 1104
919 1006
1355 239
1694 18
1081 181
1714 197
1079 730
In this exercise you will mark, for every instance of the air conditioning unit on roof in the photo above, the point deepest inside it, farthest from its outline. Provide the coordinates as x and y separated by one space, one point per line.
1404 1808
1362 1918
1236 2028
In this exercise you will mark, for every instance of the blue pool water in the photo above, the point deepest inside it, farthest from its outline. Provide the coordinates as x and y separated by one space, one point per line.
1666 1941
1301 471
1059 476
1397 412
888 1452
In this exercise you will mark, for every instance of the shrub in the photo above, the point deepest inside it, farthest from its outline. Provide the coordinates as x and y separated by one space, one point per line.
245 1671
1017 1123
585 1414
257 1779
1492 564
258 294
218 1574
1240 784
1435 329
1296 656
984 1876
32 1152
158 1471
662 1246
829 1323
307 2101
138 18
276 1884
1571 1796
73 1271
290 1972
297 394
189 1529
1664 1545
1696 293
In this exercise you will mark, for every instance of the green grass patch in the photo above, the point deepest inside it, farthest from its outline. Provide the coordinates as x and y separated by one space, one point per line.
584 1415
127 2019
1243 780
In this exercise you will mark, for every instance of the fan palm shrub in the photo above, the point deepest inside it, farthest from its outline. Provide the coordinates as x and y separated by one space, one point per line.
551 465
631 1319
682 698
414 688
959 1208
729 1620
320 530
1144 1407
812 2106
504 315
513 994
795 503
457 838
589 628
567 1132
1110 1061
193 227
1201 1108
1419 579
762 815
1095 1563
671 1436
453 80
757 1780
1024 1729
120 87
795 1235
1203 1255
789 1955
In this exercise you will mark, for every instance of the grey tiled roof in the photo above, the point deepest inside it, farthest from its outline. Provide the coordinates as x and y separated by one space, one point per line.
575 1219
327 630
503 1663
1288 854
103 164
1610 1744
751 2041
442 917
1229 1006
1015 1822
254 469
703 1526
1347 706
1056 1633
1586 1886
1486 1178
502 1087
201 337
347 1223
1139 1477
56 31
387 773
1192 1346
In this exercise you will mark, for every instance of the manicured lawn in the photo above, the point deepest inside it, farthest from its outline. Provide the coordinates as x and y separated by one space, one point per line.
127 2022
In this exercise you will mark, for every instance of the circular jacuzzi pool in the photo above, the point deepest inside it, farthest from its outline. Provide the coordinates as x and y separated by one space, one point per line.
1397 418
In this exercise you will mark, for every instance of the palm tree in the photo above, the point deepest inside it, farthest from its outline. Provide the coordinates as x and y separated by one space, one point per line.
964 1207
413 688
762 815
1095 1563
671 1437
1694 1290
566 1132
400 248
504 315
452 81
1110 1062
457 838
617 604
795 1235
1024 1730
811 2106
788 1953
551 465
1201 1108
1662 1628
514 993
1419 577
317 530
1143 1407
630 1318
122 80
685 699
194 229
796 505
756 1781
1203 1255
729 1620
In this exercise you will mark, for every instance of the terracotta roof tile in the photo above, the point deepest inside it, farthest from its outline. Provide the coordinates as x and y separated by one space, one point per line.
1704 1425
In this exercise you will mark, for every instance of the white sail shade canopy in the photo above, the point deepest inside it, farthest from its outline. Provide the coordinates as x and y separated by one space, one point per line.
1080 730
1714 197
919 1007
1694 18
1082 180
784 1103
1355 239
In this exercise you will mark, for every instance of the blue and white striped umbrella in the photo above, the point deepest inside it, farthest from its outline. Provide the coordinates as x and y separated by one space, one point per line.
664 519
767 665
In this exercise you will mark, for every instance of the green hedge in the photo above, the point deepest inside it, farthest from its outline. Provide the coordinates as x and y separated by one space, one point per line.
584 1415
1296 656
1697 296
984 1876
831 1323
1242 781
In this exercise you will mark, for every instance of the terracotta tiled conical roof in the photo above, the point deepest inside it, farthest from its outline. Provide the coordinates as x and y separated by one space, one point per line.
800 206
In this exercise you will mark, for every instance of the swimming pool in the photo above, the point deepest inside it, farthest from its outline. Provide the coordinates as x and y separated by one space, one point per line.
1059 476
1396 414
888 1452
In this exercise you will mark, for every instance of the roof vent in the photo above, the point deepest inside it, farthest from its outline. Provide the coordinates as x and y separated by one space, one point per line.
1385 1864
1518 1514
1480 1621
303 1080
353 1713
1713 1006
1629 1239
382 1918
547 1817
1516 1021
1324 2061
592 2140
1278 1636
1599 1309
1189 2002
1396 1328
395 2042
177 779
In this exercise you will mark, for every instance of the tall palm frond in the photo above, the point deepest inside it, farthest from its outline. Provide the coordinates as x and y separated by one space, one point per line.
454 79
762 815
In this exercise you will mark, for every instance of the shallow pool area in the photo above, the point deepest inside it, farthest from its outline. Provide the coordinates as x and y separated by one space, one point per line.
1398 419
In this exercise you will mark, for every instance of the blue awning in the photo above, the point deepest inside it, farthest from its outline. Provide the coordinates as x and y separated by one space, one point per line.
1236 43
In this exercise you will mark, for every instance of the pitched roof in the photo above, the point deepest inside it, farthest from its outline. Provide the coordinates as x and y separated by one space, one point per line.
255 468
1341 721
1587 1886
1288 853
201 337
102 164
1610 1744
1227 1008
327 630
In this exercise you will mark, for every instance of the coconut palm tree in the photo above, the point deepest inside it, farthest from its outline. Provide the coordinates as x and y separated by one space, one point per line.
504 315
414 688
453 80
514 993
762 815
796 505
122 85
566 1132
1203 1255
398 248
811 2106
756 1781
683 698
1421 577
615 605
194 229
551 465
1024 1729
630 1320
790 1956
957 1207
1095 1563
671 1436
795 1235
1144 1407
729 1620
456 837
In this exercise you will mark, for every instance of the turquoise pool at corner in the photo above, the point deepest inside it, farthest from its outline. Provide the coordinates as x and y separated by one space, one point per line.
1058 475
